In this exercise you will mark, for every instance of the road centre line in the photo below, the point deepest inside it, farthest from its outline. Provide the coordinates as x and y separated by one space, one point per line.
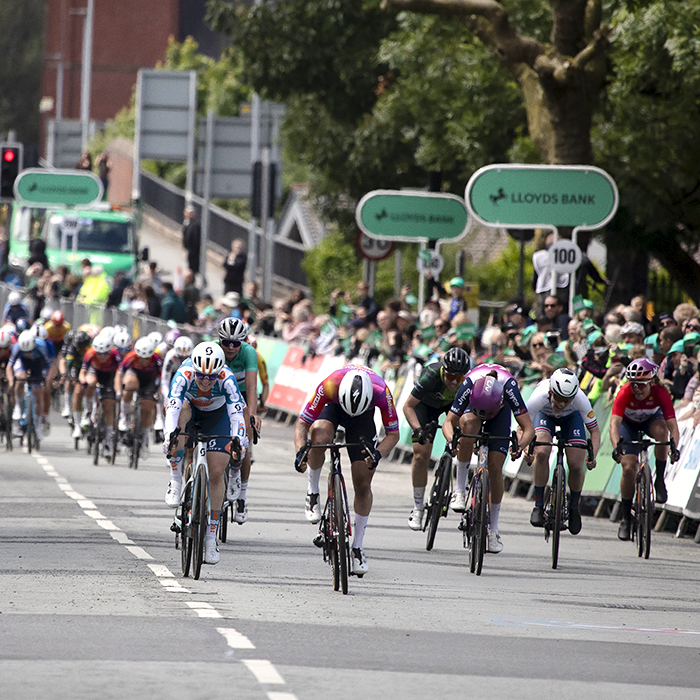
263 671
203 609
235 639
582 626
278 695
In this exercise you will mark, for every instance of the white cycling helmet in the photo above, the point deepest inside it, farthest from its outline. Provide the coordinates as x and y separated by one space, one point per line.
108 332
564 383
156 337
208 358
355 392
46 313
102 344
5 338
26 341
120 328
145 347
233 329
14 298
40 330
121 340
183 346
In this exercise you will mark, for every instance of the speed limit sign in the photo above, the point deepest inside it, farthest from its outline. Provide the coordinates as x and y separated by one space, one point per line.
429 262
374 248
564 256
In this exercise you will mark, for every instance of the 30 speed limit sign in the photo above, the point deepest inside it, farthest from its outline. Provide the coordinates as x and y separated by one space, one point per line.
374 248
564 256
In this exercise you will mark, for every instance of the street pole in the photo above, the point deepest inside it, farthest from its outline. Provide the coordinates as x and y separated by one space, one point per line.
191 142
252 266
86 74
206 195
521 272
266 256
397 272
421 281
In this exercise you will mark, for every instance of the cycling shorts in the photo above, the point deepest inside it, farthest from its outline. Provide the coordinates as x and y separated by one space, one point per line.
148 383
499 425
572 428
355 428
629 430
34 375
215 422
429 414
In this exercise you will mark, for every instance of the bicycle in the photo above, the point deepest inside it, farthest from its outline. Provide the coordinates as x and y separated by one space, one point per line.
6 404
228 510
96 431
192 515
643 505
441 492
334 528
29 418
556 508
132 437
475 519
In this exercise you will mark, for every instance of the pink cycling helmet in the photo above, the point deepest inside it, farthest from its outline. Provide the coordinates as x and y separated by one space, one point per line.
486 398
641 370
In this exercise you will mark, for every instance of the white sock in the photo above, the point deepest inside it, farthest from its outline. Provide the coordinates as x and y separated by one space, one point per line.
462 473
360 527
314 476
244 490
77 417
89 404
176 467
493 520
418 496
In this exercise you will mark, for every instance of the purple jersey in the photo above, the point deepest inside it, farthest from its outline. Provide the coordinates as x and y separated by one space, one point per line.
511 393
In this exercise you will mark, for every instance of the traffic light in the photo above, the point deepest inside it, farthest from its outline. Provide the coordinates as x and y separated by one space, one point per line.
10 167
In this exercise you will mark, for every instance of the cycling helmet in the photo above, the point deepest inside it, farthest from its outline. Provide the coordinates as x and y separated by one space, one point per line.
26 341
81 339
156 337
120 328
456 361
92 329
641 370
355 392
5 338
108 332
233 329
208 358
252 340
564 383
102 344
22 324
9 327
486 398
14 298
46 314
39 330
183 346
121 340
58 318
171 337
145 347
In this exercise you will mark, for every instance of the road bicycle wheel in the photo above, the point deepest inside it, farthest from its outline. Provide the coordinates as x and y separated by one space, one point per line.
185 529
341 528
199 521
644 511
99 433
29 409
115 430
7 419
438 498
331 506
135 442
558 495
223 521
481 519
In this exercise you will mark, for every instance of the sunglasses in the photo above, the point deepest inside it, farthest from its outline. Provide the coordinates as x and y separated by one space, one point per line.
639 385
693 327
230 343
562 399
454 377
210 377
550 306
538 345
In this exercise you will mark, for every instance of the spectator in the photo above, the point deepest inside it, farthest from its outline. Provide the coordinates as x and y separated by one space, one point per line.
294 298
457 303
151 277
121 282
298 327
85 162
104 166
37 249
228 305
685 312
554 311
172 307
542 274
632 333
153 306
234 266
366 301
191 238
95 288
540 353
190 296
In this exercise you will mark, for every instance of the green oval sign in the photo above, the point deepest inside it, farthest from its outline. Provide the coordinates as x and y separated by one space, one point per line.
70 188
534 196
412 216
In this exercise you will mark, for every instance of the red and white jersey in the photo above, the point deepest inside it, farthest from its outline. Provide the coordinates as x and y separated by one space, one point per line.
632 409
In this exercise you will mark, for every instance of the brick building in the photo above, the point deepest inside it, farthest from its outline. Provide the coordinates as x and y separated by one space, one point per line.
127 35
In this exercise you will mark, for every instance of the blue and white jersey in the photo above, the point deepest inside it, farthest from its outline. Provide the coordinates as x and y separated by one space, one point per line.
48 347
11 313
223 392
36 363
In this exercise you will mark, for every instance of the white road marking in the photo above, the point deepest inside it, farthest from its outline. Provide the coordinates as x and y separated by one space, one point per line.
88 505
277 695
203 609
107 524
139 552
94 514
65 487
235 639
263 671
121 537
160 570
173 586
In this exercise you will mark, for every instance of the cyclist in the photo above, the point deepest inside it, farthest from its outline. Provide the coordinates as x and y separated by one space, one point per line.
27 362
242 361
558 401
139 372
70 364
204 391
641 405
14 309
180 351
100 366
43 341
347 397
431 396
122 342
489 393
57 328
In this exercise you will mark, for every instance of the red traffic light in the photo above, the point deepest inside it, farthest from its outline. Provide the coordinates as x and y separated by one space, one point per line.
9 155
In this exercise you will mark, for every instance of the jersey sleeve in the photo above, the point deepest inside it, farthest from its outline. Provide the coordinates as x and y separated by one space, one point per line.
621 400
538 399
425 384
250 360
461 402
665 402
514 398
262 369
390 419
318 401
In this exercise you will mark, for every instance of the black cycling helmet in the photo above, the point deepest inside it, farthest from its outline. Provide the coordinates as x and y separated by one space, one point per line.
456 361
81 339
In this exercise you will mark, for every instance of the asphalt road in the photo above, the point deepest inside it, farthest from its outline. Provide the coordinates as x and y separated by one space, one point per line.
93 604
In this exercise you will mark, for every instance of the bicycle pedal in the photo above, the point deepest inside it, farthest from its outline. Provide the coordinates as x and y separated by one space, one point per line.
319 541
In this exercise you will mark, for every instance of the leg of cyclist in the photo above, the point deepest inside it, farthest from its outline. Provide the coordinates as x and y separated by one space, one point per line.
90 387
217 462
38 389
130 385
419 477
78 392
629 460
172 495
544 427
322 433
471 425
20 374
659 432
575 433
244 475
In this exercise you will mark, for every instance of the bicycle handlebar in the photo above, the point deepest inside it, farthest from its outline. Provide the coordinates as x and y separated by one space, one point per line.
304 452
512 438
559 441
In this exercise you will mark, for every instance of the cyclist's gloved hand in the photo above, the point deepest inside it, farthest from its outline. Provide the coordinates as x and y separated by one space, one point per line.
376 456
417 436
616 455
675 454
298 460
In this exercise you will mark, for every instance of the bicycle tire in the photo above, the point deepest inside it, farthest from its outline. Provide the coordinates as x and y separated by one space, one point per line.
99 432
199 522
29 408
558 486
8 423
438 498
644 512
115 430
333 542
341 526
185 533
135 443
482 519
223 522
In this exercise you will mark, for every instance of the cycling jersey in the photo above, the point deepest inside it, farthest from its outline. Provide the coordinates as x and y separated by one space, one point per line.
327 393
109 362
36 363
431 390
13 312
171 364
140 366
511 392
245 361
262 368
540 402
48 347
636 411
57 333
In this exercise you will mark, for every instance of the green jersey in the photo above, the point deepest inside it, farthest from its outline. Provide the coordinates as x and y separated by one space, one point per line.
245 361
431 390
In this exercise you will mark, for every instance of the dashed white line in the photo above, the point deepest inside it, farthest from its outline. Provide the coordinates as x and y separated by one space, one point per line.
263 671
160 570
278 695
203 609
87 505
235 639
139 552
107 524
121 537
